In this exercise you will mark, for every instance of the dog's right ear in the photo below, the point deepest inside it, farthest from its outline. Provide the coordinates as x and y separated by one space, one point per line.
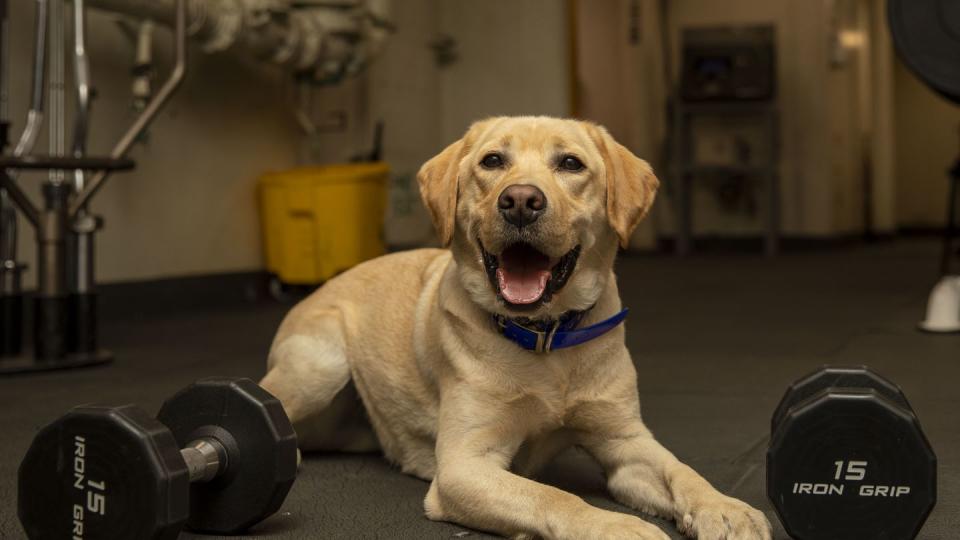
438 179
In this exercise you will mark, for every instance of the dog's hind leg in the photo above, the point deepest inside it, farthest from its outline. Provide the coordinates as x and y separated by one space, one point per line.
308 372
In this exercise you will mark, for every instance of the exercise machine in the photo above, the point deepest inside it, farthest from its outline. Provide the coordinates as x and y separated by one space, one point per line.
926 34
64 307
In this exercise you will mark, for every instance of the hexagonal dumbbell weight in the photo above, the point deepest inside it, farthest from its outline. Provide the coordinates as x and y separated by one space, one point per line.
221 457
848 459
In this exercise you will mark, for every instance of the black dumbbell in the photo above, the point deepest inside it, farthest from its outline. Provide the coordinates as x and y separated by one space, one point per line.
220 457
848 459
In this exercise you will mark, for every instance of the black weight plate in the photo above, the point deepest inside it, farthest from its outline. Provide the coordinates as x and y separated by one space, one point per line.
927 36
852 465
837 377
101 472
261 451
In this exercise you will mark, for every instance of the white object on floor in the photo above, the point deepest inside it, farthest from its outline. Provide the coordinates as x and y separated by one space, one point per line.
943 308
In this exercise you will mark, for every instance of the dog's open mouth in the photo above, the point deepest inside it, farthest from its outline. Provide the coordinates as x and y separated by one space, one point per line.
523 276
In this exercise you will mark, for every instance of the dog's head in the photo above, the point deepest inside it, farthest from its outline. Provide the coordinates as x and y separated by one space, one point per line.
533 209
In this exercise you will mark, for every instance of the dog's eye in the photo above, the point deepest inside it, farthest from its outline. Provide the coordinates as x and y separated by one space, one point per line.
492 160
572 164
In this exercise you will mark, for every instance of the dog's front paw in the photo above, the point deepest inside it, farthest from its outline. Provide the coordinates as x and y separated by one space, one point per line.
617 526
725 518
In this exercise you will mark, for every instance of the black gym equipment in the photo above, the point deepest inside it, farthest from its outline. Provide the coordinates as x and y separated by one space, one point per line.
849 460
926 34
220 457
65 305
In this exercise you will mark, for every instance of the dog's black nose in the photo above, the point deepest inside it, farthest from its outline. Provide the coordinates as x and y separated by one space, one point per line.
521 204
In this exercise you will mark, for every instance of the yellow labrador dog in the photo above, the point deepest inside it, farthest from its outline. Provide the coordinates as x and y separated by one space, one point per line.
479 363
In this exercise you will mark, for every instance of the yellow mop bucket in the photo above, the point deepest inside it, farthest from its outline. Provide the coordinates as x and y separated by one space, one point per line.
320 221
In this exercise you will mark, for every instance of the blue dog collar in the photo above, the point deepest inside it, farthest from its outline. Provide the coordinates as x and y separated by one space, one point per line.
545 336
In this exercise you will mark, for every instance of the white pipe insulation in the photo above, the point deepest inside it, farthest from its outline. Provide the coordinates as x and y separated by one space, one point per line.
327 39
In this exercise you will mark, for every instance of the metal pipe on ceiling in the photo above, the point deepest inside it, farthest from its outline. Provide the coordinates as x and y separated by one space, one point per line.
330 38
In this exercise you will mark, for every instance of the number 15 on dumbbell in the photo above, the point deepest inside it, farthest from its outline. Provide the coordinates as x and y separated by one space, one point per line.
848 459
91 491
854 471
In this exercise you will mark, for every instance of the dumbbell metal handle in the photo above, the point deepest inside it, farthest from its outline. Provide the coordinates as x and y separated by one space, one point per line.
206 458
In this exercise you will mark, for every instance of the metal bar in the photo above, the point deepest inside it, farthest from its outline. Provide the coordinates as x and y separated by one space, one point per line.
50 321
81 70
19 197
51 241
57 88
35 115
79 257
149 112
65 162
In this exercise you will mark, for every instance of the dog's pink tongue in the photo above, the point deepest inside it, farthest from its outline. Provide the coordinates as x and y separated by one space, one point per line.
523 274
522 287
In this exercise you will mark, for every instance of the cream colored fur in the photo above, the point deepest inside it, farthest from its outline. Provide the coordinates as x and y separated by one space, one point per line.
453 402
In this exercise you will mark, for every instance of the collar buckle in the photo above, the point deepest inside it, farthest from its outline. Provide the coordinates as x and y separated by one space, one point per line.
545 339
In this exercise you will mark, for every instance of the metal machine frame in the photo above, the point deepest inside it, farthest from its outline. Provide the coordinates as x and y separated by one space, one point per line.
64 321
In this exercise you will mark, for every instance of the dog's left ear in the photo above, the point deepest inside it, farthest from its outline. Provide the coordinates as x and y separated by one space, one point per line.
438 179
631 184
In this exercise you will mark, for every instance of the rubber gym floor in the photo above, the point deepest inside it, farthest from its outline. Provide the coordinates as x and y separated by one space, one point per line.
716 339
